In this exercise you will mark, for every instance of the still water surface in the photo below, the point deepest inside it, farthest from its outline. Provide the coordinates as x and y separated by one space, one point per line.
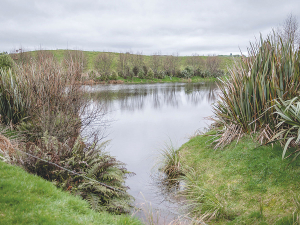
145 117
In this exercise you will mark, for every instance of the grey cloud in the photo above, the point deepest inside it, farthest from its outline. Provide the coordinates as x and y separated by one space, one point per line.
169 26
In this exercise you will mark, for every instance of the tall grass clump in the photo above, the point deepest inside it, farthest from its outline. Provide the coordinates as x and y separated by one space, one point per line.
169 162
270 71
13 108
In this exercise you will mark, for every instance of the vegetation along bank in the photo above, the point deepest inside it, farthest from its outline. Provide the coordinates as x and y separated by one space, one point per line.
108 67
245 170
43 112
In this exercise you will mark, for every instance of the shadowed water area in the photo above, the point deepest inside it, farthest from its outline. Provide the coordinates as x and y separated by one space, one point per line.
144 118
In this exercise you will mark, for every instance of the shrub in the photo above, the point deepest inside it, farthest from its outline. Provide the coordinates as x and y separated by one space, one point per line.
6 62
135 70
131 74
160 74
150 74
141 74
178 73
218 73
92 75
145 69
103 62
198 72
188 72
104 77
121 74
114 76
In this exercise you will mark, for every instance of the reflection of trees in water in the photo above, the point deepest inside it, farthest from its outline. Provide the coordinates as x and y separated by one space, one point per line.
171 96
205 92
135 98
134 102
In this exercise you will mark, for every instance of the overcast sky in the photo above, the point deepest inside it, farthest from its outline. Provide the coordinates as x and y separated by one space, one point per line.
168 26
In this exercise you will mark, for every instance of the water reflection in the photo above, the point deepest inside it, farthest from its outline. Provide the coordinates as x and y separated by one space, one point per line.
133 97
145 117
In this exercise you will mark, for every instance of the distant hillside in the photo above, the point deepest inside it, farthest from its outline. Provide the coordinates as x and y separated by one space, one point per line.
183 61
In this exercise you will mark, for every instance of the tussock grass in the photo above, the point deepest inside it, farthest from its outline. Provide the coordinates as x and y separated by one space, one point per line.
240 184
169 162
28 199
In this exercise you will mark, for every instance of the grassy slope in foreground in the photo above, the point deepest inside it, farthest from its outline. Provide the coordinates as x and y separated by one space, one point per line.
28 199
245 180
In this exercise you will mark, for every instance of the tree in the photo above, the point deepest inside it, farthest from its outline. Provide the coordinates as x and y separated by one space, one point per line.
103 62
156 62
195 61
123 63
137 60
170 64
213 64
289 30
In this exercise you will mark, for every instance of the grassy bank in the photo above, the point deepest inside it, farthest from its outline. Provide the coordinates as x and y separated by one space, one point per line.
28 199
137 80
241 184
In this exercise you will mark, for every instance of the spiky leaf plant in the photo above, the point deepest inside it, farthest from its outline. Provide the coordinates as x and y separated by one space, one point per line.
13 108
289 126
88 160
270 71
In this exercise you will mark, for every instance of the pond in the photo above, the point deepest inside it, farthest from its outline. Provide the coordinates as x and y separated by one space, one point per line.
145 118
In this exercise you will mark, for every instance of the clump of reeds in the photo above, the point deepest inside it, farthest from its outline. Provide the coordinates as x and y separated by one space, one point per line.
169 162
270 71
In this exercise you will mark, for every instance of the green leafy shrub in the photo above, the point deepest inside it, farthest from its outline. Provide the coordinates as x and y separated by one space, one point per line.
92 74
6 62
218 73
135 70
141 74
145 69
150 74
114 76
188 72
121 74
160 74
88 160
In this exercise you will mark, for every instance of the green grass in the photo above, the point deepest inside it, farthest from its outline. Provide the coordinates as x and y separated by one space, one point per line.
247 185
28 199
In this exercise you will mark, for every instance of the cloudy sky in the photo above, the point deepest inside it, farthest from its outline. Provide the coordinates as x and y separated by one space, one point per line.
148 26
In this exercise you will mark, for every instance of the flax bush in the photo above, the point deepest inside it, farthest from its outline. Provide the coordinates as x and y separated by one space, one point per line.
270 71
